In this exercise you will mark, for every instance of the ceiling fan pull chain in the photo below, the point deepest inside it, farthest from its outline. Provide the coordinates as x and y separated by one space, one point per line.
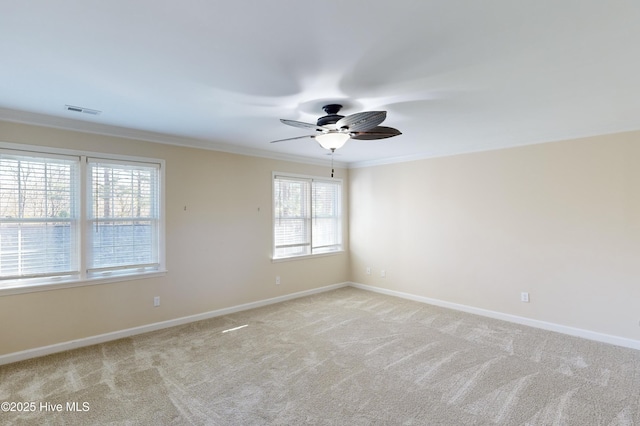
332 151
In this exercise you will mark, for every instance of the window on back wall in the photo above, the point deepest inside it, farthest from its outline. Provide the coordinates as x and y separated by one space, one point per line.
307 216
44 236
123 216
38 216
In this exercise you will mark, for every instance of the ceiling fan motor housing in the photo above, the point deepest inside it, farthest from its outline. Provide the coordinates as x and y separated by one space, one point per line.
332 116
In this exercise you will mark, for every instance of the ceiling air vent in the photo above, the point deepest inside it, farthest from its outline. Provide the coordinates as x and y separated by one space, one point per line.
82 109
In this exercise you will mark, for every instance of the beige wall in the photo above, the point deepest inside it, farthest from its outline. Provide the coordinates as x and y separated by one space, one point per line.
218 250
558 220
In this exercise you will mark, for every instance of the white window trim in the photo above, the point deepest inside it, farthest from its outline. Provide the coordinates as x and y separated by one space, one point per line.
29 285
342 217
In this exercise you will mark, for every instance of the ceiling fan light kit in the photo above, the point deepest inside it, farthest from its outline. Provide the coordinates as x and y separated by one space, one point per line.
332 141
334 130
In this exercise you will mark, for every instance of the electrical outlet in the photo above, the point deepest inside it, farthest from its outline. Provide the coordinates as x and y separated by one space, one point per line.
524 297
156 301
278 280
368 270
383 273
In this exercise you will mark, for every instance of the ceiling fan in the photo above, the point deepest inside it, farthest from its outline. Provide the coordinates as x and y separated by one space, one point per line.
333 130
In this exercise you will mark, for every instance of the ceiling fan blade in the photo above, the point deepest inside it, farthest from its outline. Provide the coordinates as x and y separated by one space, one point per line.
290 139
379 132
302 125
361 121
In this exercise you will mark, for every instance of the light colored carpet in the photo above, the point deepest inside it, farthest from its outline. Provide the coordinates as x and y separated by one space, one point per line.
345 357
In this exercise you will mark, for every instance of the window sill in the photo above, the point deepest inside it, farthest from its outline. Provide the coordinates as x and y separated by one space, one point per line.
306 256
21 288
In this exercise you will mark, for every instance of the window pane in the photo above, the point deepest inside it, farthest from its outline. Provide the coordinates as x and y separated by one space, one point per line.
124 216
292 231
122 243
327 229
291 198
326 232
36 249
38 220
123 191
325 199
292 217
36 187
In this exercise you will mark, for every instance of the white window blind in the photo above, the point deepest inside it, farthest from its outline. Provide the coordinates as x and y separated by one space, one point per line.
307 216
38 215
326 217
123 215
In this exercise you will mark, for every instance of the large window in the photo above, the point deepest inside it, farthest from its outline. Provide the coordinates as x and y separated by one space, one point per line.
307 216
73 218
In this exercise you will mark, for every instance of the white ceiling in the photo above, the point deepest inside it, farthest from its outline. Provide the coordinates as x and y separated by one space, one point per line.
454 75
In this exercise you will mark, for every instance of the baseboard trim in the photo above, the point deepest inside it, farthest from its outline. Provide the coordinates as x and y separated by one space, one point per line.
572 331
106 337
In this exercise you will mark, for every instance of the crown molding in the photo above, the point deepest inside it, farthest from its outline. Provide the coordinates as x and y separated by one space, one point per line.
62 123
